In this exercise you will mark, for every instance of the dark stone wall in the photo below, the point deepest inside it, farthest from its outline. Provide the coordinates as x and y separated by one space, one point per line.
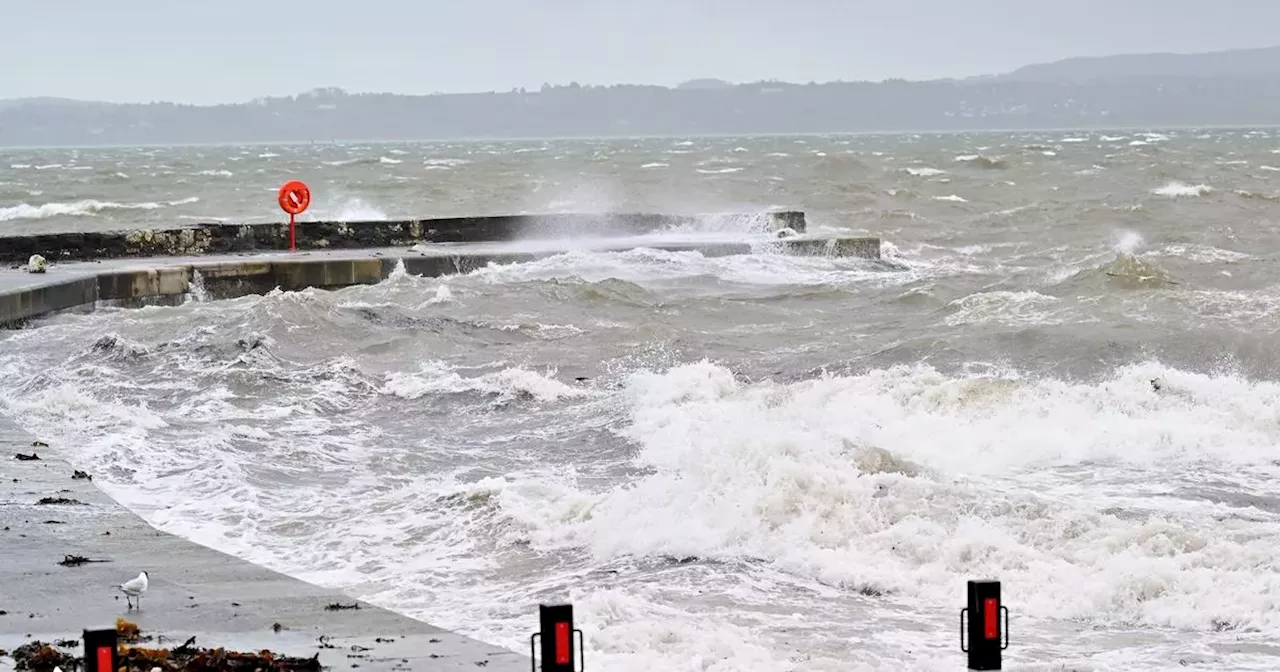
202 239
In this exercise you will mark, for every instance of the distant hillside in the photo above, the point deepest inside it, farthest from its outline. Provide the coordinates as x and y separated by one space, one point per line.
15 102
1240 88
1264 62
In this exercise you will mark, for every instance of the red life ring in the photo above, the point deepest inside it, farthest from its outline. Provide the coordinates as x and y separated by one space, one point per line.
294 197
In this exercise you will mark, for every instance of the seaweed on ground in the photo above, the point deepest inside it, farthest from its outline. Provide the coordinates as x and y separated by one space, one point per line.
38 656
188 658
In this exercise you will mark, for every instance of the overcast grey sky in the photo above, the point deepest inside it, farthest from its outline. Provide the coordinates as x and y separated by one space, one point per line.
235 50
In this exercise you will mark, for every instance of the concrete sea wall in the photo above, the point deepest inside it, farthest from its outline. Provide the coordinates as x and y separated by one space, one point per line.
134 282
202 239
150 266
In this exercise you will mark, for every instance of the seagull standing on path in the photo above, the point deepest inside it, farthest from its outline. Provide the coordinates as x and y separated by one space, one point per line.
135 588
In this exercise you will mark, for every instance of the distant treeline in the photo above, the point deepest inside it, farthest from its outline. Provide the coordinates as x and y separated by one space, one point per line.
588 111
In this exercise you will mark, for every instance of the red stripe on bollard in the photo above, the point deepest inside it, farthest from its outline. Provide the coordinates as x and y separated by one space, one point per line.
991 618
563 647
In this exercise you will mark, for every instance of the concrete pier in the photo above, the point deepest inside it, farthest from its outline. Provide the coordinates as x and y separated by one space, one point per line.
221 600
138 281
219 238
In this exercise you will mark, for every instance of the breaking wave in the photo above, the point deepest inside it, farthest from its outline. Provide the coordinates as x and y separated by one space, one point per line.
83 208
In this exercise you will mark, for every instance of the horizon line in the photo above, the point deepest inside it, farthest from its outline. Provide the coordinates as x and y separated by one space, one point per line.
684 136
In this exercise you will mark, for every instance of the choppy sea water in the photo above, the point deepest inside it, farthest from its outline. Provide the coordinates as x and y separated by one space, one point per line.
1064 375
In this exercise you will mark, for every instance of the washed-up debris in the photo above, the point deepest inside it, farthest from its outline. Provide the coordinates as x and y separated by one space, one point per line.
77 560
60 500
39 444
55 522
40 657
127 631
80 476
339 607
24 457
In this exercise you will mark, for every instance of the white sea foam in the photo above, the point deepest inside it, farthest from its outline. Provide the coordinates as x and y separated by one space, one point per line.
644 266
1127 242
1181 189
447 163
353 209
85 208
439 378
936 479
1005 308
1059 488
1205 254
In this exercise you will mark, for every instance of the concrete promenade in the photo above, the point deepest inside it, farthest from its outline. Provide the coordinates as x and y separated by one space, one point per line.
223 601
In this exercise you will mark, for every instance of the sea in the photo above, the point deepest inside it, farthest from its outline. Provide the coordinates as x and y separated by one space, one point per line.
1063 374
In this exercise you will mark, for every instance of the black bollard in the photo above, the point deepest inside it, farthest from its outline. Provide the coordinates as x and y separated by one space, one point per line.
987 638
100 653
556 632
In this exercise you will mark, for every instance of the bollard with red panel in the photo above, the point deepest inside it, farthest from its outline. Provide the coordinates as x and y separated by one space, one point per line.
988 631
100 650
556 633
